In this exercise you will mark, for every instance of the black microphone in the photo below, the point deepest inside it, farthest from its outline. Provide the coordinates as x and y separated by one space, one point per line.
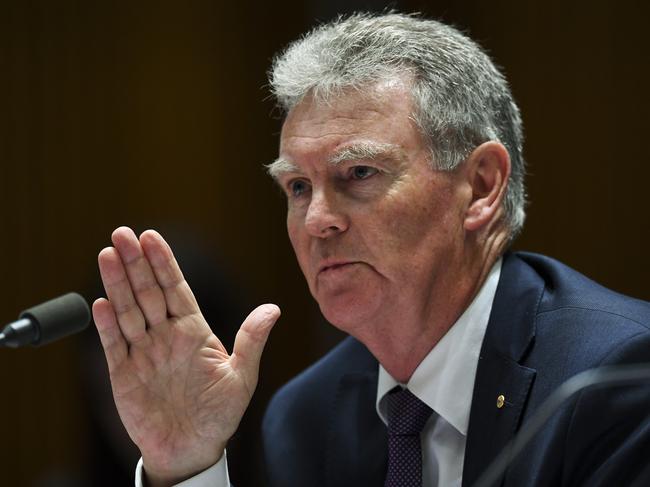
47 322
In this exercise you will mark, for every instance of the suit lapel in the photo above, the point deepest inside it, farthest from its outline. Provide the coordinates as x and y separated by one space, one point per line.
356 449
357 442
510 333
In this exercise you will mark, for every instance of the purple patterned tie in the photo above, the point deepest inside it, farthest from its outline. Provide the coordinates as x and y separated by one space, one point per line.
407 415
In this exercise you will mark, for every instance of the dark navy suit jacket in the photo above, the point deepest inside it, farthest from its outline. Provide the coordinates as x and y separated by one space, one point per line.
547 324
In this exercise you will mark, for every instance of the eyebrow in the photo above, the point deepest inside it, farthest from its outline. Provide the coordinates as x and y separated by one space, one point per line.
279 167
354 152
366 150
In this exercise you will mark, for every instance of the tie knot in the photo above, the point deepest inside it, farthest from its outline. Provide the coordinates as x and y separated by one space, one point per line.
407 414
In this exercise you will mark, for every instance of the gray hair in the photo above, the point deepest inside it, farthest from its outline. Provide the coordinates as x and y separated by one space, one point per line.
461 98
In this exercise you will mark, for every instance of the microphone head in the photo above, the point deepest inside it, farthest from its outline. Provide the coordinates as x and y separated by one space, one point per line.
58 317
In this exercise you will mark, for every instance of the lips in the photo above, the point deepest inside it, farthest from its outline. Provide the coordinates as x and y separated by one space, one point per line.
329 266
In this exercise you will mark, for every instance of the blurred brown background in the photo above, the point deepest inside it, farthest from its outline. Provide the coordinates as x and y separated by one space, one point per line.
154 114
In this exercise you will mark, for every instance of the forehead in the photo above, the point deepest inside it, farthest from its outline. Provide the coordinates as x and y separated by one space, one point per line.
380 113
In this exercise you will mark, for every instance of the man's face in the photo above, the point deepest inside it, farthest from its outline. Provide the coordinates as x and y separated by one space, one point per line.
375 229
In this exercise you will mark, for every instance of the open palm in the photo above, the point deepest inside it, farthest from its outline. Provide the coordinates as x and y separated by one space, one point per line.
179 393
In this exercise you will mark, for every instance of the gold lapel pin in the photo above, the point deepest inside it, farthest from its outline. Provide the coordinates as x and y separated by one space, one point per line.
501 401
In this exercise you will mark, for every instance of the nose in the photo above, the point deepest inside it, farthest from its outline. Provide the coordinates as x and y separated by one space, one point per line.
325 217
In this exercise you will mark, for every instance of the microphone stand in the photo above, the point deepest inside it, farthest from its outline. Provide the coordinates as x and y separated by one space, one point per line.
608 376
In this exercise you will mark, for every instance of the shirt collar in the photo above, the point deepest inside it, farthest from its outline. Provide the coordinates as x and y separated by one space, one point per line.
444 380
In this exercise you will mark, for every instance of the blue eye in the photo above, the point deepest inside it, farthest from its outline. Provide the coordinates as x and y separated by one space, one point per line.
297 187
363 172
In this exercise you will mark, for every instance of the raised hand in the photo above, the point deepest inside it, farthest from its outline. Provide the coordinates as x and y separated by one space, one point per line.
179 393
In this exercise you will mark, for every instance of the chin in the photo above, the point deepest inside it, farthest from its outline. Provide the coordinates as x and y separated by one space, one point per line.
349 315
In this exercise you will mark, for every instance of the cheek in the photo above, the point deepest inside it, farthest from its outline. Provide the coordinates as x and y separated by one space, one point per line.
292 231
419 230
297 237
408 226
408 223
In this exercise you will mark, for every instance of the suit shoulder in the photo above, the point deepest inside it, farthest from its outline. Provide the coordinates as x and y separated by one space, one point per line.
566 290
318 383
297 420
576 322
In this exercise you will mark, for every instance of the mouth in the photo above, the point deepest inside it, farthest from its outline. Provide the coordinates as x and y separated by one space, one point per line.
331 266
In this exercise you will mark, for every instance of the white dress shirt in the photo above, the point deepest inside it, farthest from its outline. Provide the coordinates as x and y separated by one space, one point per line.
444 381
215 476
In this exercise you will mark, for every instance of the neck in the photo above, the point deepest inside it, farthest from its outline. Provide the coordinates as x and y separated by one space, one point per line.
400 349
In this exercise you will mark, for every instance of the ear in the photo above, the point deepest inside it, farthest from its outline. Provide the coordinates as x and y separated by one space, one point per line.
488 170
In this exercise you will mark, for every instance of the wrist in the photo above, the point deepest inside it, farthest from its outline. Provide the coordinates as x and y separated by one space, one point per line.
156 475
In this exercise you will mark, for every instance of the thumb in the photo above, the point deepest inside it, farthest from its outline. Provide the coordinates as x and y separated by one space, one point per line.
250 341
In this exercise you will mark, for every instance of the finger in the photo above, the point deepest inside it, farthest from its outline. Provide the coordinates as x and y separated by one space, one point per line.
178 295
144 285
250 341
113 342
118 289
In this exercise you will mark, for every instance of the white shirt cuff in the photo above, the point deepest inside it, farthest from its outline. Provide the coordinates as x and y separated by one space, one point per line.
215 476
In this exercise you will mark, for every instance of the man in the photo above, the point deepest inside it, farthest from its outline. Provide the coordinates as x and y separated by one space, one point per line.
400 156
